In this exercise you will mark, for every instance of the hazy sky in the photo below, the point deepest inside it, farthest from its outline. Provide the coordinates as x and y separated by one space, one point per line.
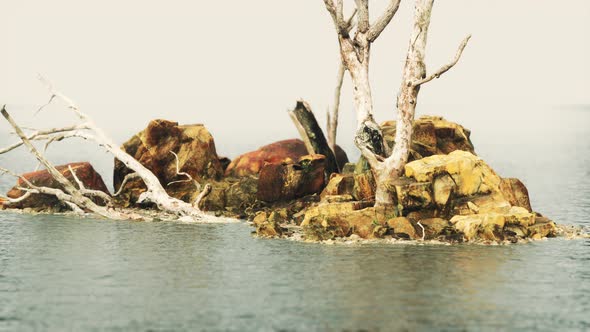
237 66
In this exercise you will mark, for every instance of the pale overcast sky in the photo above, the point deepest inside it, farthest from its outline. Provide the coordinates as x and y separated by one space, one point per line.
237 66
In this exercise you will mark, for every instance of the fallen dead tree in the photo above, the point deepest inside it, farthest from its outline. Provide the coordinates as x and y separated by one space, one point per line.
77 196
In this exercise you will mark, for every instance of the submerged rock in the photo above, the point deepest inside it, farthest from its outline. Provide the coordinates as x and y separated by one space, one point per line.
84 171
153 148
287 151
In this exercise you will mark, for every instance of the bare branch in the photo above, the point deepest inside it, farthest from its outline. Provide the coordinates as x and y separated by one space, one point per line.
42 135
80 184
88 192
350 23
33 189
332 125
340 12
45 105
128 177
178 172
446 67
75 208
9 201
50 168
332 10
379 25
363 15
155 192
206 191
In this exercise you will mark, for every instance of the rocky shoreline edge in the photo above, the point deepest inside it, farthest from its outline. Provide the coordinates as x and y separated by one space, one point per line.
448 194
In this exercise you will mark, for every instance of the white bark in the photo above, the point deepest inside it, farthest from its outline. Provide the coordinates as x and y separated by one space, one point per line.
386 164
155 192
332 125
71 194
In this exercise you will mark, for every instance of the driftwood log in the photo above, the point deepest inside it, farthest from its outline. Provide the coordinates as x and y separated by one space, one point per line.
312 135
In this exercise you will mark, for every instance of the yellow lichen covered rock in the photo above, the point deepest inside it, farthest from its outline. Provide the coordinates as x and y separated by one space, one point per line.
403 225
469 172
329 221
480 226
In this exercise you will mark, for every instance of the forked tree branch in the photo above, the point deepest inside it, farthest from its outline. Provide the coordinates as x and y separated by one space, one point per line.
41 135
88 192
446 67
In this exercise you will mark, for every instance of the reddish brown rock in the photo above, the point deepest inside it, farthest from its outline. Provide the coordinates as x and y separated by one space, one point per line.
84 171
287 151
286 181
196 152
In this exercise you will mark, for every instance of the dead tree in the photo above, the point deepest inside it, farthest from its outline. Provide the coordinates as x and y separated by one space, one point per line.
386 164
77 197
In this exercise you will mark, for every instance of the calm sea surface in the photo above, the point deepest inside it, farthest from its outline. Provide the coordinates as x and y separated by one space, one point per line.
67 274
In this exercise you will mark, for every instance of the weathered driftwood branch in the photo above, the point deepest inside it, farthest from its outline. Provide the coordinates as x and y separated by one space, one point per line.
88 192
71 194
155 192
127 178
332 123
446 67
312 135
42 135
204 193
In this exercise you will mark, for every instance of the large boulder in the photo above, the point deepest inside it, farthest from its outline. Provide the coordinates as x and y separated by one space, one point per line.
462 188
83 170
153 147
287 181
287 151
432 135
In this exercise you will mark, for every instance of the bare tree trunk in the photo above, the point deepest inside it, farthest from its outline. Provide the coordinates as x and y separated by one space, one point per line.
332 124
414 70
312 135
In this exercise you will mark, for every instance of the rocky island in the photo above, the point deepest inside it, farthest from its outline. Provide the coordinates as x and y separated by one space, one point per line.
447 192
